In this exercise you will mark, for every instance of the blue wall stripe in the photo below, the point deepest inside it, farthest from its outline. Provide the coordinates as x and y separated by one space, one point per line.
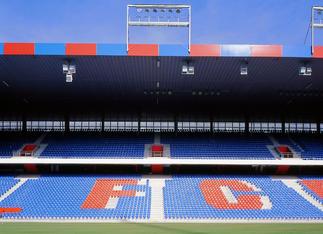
1 48
173 50
50 49
297 51
236 50
111 49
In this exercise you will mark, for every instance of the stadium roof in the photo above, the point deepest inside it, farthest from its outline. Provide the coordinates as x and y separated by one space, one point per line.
31 73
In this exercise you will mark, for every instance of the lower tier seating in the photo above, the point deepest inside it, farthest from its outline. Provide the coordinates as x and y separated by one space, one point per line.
174 198
235 197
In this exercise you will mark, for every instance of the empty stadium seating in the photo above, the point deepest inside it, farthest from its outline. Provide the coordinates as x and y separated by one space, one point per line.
185 197
52 197
10 143
314 187
80 146
248 197
219 147
311 147
180 146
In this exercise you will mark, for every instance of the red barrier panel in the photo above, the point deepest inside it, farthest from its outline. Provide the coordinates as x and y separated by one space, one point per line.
318 52
19 49
29 147
143 50
31 168
157 148
80 49
205 51
157 169
283 149
266 51
283 169
10 210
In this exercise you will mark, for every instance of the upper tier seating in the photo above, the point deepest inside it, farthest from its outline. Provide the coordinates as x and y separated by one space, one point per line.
219 147
184 197
9 143
180 147
312 146
288 140
80 146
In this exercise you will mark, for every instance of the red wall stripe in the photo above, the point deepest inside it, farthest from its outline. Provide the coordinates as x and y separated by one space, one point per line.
318 52
80 49
205 50
266 51
143 50
19 49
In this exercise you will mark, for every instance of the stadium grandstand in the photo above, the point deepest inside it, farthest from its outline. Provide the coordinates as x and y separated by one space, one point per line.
161 133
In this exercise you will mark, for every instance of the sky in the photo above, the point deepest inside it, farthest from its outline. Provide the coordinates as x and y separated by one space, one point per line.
104 21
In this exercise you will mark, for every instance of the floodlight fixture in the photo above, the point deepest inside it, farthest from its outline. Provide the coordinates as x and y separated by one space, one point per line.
316 23
305 71
156 16
65 68
187 69
72 69
69 70
244 70
69 78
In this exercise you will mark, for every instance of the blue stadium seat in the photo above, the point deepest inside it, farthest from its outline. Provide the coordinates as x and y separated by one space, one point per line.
219 147
51 197
185 197
95 146
312 147
12 142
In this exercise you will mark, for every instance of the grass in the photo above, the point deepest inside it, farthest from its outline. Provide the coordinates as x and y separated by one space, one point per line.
143 228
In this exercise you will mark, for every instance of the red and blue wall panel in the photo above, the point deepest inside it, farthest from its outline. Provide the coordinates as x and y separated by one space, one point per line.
200 50
173 50
205 50
318 52
266 51
297 51
112 49
236 50
50 49
19 49
85 49
143 50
